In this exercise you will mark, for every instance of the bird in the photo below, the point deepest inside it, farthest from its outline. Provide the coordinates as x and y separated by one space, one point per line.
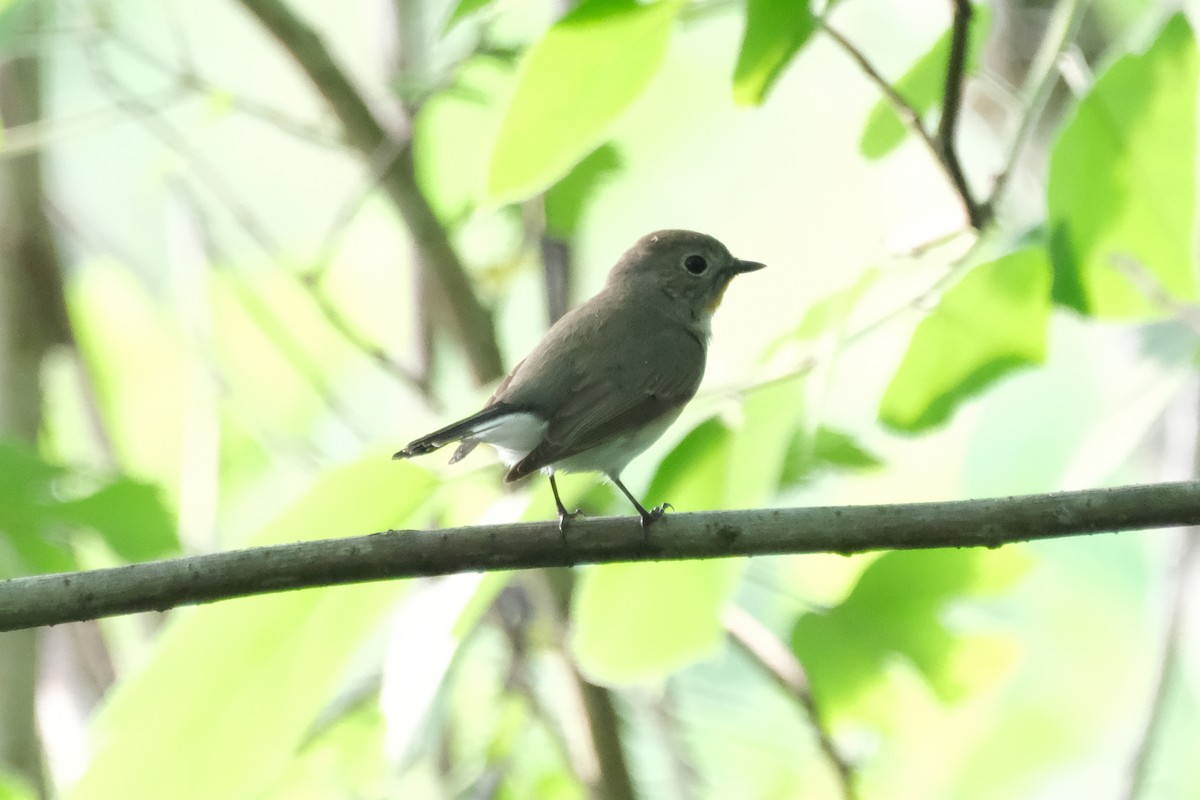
611 375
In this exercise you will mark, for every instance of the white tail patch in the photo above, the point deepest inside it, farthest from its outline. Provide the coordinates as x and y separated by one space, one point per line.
513 435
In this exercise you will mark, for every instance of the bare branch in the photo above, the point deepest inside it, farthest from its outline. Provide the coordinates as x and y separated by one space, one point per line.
1150 736
160 585
912 120
956 66
364 132
612 780
1153 290
762 646
1043 77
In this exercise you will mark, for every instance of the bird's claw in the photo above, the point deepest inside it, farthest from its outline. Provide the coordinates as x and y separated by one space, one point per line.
563 516
654 515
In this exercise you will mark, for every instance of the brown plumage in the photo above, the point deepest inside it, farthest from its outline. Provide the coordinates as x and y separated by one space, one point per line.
609 377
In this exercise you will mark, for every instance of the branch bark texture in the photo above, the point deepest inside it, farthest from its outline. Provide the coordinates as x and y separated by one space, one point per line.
365 133
160 585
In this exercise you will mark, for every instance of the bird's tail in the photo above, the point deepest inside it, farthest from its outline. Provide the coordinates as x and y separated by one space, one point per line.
460 431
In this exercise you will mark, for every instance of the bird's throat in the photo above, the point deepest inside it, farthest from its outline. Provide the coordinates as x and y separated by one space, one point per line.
716 301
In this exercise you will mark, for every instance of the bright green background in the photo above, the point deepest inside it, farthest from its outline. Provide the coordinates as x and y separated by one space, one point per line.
1030 365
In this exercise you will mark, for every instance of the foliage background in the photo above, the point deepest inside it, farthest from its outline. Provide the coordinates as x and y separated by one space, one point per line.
217 241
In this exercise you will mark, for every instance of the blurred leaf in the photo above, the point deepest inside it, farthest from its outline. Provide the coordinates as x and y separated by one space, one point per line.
988 324
572 85
640 622
692 475
238 684
345 761
825 450
462 10
921 87
14 21
1122 181
39 514
828 316
898 608
834 310
14 787
775 32
130 516
219 103
567 199
453 136
140 394
759 449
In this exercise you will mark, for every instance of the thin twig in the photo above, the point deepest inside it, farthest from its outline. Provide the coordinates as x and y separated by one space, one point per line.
265 317
765 649
1152 289
471 320
919 301
908 115
613 780
1043 77
159 585
956 66
187 78
1147 741
905 110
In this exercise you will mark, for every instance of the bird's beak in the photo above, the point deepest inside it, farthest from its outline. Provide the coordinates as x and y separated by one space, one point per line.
740 266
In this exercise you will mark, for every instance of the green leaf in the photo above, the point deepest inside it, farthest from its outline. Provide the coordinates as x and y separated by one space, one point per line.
921 87
15 787
462 10
14 21
991 322
567 199
131 517
758 452
1122 183
573 84
238 684
639 622
453 136
834 310
775 32
693 474
826 450
826 317
898 608
43 505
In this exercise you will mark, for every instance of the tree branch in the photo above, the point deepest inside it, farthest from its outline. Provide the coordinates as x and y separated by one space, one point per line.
761 645
946 158
951 103
1042 78
365 133
1152 727
160 585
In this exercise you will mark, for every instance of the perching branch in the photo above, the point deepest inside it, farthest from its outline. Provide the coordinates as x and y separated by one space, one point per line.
364 132
160 585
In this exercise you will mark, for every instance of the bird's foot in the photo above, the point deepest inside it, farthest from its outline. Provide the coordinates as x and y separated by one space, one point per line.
563 516
653 515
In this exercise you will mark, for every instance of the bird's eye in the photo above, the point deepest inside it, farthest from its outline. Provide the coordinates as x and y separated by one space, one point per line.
695 264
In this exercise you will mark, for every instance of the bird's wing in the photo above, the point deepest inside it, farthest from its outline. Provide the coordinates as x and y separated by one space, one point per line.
608 402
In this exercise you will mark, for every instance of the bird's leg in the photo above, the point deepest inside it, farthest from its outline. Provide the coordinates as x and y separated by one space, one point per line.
563 514
648 517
